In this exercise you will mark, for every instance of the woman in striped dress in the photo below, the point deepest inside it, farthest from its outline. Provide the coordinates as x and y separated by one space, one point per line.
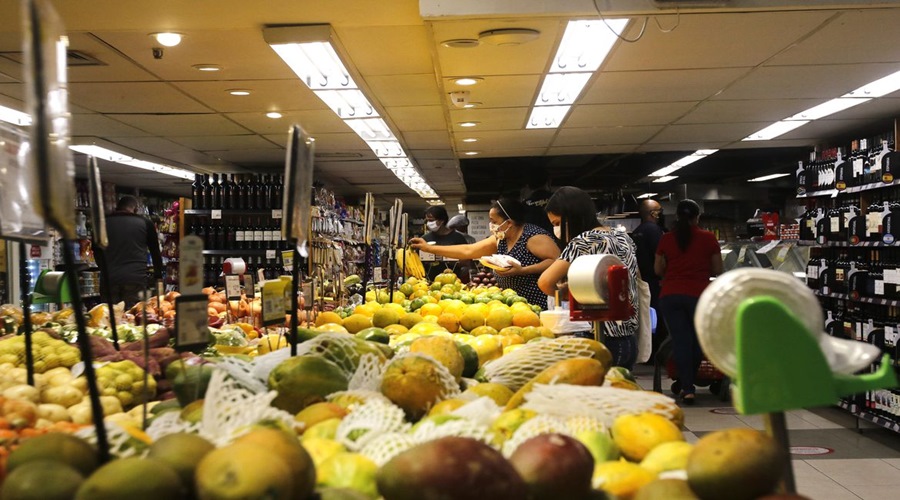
574 217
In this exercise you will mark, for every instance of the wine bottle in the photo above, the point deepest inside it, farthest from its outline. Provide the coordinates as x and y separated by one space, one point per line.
196 191
215 200
260 193
277 192
232 192
259 234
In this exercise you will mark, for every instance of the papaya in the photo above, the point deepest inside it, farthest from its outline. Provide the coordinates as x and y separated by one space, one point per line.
443 350
303 380
574 371
414 383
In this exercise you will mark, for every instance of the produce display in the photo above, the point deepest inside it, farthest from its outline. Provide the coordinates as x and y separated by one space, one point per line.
441 391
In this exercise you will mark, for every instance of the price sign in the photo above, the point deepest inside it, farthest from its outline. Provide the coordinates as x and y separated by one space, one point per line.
270 254
273 302
190 265
276 214
215 214
233 287
376 274
249 289
287 257
191 323
260 275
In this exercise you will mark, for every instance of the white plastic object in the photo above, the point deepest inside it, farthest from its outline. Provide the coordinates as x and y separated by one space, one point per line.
587 277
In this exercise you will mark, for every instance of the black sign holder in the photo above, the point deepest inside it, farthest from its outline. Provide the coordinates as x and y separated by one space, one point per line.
298 175
191 323
100 241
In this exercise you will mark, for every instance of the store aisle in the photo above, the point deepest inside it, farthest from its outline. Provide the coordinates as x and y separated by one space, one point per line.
832 460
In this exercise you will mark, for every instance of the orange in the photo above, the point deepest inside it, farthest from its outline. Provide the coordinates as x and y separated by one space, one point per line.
526 318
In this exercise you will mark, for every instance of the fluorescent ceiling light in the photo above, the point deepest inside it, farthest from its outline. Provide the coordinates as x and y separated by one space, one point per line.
767 177
238 91
123 159
167 39
309 52
683 162
348 103
207 67
470 153
828 108
561 88
15 117
646 195
547 116
273 114
435 202
878 88
775 129
666 178
586 44
468 124
470 139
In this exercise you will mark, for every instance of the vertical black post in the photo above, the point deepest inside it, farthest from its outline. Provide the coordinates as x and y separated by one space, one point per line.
84 343
295 303
391 261
26 312
367 270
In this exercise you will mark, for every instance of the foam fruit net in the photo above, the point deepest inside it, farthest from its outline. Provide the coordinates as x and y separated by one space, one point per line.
601 403
520 366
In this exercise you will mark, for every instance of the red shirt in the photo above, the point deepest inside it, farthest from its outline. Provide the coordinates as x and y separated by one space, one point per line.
687 273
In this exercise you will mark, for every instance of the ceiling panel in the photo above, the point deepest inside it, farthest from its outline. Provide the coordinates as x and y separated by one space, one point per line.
133 97
604 136
490 119
619 115
504 91
404 90
713 40
502 153
94 124
114 67
686 147
763 111
326 142
266 95
220 142
418 117
428 139
659 86
719 132
504 138
799 82
157 145
273 156
313 122
388 50
182 124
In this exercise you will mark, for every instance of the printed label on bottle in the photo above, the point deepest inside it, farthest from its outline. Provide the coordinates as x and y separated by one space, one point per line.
258 236
215 214
858 165
239 235
879 287
835 224
892 276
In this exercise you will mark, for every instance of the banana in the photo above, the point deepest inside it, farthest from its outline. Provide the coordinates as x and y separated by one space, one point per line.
413 265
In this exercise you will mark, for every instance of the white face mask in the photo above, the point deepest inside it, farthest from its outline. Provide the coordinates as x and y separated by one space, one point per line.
557 231
432 226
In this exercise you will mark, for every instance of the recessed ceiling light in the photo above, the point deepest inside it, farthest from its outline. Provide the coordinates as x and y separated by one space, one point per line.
468 81
468 124
238 91
470 139
207 67
470 105
470 153
460 43
509 36
167 38
273 114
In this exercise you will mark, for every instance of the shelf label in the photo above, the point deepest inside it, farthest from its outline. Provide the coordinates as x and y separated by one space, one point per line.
276 214
249 289
270 254
233 287
273 302
376 274
287 257
191 323
215 214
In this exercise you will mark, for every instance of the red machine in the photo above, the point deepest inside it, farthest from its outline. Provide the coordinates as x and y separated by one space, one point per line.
602 284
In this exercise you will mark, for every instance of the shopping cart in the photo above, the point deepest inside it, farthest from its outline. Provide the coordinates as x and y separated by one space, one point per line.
707 375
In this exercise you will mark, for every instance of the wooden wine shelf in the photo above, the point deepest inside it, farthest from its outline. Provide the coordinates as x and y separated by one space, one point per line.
854 189
864 300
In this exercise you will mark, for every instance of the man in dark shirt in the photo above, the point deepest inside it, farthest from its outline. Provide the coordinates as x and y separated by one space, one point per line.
131 236
460 224
646 238
438 232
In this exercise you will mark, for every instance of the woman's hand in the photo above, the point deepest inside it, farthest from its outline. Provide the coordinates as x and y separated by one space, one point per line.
417 243
513 270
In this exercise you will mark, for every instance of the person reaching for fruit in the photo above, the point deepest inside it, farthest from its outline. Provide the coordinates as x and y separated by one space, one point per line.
531 246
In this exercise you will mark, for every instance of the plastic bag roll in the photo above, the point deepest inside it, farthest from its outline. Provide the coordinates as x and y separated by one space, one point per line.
588 277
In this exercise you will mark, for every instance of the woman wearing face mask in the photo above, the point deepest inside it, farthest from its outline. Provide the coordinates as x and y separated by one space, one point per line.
533 247
439 234
574 217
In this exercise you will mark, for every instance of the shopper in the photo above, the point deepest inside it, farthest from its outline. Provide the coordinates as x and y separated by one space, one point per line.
646 239
441 235
574 217
460 224
685 260
131 237
533 247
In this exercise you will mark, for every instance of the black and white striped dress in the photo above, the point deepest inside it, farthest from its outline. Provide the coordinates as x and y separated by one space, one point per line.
617 243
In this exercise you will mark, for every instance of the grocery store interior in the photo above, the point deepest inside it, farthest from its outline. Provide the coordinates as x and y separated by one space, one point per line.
779 117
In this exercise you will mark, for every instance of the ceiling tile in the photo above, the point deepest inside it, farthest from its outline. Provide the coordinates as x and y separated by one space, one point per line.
658 86
719 132
499 153
273 156
759 110
182 124
617 115
220 142
799 82
590 150
429 139
404 90
504 138
387 50
152 145
490 119
716 40
314 123
686 147
504 91
133 97
114 67
266 95
94 124
603 136
418 117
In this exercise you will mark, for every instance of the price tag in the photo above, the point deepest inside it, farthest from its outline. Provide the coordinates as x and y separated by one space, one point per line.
276 214
287 257
191 323
770 245
376 274
782 253
215 214
427 257
892 276
260 275
270 254
273 302
190 265
249 289
233 287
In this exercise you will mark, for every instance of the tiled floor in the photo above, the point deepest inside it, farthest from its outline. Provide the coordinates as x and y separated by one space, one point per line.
856 465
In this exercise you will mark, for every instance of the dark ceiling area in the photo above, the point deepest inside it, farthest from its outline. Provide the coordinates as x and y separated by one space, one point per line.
486 178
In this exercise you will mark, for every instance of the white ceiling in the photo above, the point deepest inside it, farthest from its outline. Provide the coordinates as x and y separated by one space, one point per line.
696 79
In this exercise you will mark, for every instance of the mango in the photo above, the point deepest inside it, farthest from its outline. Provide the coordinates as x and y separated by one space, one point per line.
554 466
304 380
740 464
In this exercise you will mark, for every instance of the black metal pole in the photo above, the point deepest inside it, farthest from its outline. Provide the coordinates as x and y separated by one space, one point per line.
84 343
26 312
295 303
391 261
